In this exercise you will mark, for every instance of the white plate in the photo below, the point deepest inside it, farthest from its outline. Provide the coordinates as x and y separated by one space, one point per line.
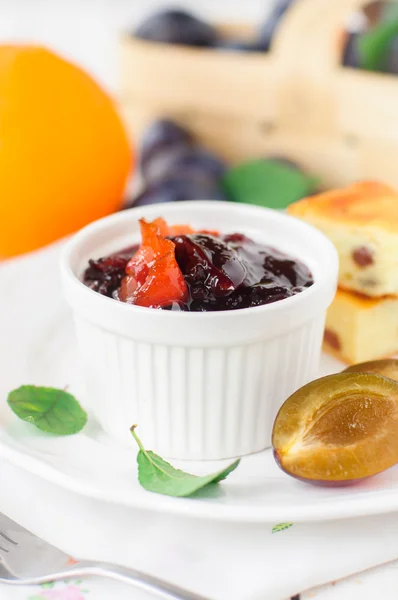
37 345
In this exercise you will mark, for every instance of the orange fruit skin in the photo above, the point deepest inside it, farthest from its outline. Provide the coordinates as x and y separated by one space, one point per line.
64 153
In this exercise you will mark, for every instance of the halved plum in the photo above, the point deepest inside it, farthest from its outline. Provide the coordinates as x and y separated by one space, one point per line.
338 429
388 367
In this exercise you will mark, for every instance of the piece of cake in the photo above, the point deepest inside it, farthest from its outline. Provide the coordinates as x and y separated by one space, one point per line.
360 328
362 222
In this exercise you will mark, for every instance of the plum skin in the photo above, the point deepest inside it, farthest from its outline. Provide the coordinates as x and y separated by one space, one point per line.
232 45
175 190
347 423
385 367
267 30
185 162
319 482
160 136
350 54
169 150
176 27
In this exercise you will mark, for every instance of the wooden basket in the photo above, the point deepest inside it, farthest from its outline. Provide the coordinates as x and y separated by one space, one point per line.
296 100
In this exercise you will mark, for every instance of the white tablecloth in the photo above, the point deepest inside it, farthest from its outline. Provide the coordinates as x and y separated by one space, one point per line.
219 560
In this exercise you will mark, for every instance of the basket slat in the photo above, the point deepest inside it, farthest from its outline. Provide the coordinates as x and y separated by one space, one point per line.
295 101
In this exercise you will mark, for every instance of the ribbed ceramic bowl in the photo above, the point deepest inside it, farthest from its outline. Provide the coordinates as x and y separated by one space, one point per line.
199 385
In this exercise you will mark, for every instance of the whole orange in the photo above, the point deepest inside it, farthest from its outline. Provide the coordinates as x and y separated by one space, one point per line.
64 153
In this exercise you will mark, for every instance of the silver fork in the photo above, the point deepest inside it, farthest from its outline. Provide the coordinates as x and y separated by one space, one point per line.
26 559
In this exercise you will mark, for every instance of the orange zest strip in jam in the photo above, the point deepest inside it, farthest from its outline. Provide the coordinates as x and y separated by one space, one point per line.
153 277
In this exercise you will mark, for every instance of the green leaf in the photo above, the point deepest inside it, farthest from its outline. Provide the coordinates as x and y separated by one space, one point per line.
157 475
51 410
267 183
374 45
281 527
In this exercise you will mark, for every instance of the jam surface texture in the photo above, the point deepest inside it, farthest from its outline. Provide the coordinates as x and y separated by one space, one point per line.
176 268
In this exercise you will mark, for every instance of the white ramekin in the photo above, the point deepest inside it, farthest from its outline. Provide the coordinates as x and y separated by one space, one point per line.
199 385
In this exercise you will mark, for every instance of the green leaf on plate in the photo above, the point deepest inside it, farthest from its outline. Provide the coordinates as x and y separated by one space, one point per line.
374 45
157 475
281 527
267 183
49 409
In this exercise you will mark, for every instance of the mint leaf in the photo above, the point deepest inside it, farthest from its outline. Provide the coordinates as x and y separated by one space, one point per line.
49 409
267 183
158 476
374 45
281 527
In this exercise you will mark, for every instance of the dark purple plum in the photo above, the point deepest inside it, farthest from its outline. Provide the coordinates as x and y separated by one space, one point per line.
350 54
392 58
162 136
200 159
176 190
267 30
231 45
184 162
177 27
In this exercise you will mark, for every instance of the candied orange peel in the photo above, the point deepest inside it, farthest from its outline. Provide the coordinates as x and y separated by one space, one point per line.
153 277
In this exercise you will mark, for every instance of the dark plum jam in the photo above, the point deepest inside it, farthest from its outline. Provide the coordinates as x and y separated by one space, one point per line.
224 272
105 274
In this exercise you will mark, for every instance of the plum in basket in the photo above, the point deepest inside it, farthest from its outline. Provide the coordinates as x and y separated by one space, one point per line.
266 32
231 45
176 27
